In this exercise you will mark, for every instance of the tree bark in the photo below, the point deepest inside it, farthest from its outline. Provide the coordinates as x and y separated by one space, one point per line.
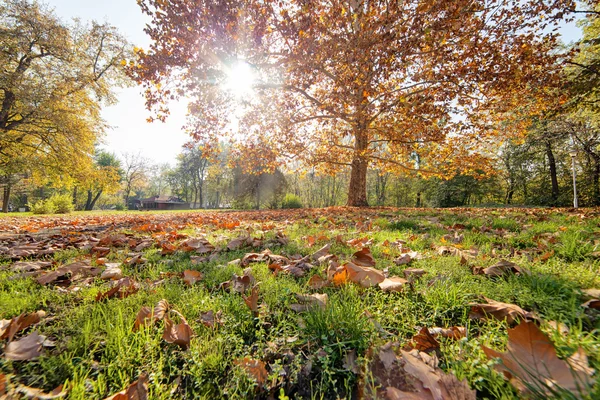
553 176
88 203
6 198
95 200
357 189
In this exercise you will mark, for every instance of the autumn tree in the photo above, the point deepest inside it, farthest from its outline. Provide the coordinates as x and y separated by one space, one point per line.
104 176
136 171
353 83
54 77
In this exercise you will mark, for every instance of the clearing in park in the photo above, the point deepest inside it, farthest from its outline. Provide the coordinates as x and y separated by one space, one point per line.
320 303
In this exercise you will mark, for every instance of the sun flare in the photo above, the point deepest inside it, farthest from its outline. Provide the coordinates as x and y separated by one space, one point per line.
240 79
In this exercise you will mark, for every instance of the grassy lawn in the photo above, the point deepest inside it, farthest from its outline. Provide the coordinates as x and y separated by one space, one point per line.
95 353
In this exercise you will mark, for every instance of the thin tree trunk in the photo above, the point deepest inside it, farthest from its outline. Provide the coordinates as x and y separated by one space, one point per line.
75 195
553 176
6 198
418 204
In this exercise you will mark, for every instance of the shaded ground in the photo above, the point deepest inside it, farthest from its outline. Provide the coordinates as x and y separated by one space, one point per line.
261 340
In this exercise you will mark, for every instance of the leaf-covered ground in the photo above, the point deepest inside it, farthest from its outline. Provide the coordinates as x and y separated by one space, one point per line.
317 304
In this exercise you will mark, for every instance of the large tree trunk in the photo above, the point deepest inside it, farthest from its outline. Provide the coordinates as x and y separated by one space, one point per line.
88 203
553 177
6 198
95 200
357 190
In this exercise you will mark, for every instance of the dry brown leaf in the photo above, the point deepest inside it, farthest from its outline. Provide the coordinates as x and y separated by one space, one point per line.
255 368
413 376
316 282
144 317
323 251
364 276
454 332
198 245
531 360
210 319
403 259
138 390
363 258
239 242
413 273
500 311
309 301
179 334
27 348
3 385
393 284
504 267
423 341
27 392
252 300
112 271
124 287
161 309
20 323
191 276
592 303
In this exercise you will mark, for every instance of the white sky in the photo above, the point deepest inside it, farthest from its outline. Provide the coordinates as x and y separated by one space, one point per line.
160 142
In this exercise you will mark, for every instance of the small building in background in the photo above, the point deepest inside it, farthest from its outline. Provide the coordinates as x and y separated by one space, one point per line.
164 203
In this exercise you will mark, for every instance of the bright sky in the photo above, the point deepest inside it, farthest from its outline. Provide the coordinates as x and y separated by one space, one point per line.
160 142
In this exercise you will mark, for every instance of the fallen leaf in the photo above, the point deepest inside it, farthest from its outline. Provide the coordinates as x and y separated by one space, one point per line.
252 300
530 361
403 259
20 323
27 348
455 332
138 390
504 267
413 376
363 258
310 301
412 273
179 334
210 319
124 287
393 284
38 394
323 251
144 317
112 271
238 242
255 368
191 276
500 311
316 282
423 341
364 276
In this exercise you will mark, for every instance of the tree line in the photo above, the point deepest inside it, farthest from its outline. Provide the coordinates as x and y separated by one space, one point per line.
353 102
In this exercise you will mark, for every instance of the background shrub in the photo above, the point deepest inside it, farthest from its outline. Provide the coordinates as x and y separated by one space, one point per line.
42 207
63 203
291 201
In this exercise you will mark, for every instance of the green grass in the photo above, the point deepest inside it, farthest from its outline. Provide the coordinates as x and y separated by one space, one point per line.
96 354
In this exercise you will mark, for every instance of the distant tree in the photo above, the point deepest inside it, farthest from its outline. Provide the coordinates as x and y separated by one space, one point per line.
53 78
104 177
135 174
